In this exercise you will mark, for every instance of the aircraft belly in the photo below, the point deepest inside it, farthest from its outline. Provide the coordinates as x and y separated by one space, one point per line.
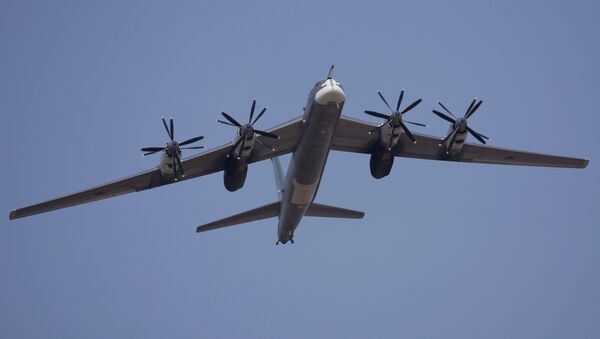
306 166
302 194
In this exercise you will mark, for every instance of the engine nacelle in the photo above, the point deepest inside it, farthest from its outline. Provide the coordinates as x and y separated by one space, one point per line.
459 141
234 175
166 166
382 160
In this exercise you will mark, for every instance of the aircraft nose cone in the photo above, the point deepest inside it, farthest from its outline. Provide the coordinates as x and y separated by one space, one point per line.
330 91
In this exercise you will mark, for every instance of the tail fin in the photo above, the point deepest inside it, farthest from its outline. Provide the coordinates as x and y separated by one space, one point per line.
278 176
326 211
264 212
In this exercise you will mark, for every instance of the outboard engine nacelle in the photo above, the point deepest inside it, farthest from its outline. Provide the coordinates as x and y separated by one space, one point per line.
457 133
382 160
170 162
234 175
236 166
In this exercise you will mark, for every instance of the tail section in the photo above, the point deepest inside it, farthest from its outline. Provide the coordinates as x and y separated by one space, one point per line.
264 212
326 211
273 210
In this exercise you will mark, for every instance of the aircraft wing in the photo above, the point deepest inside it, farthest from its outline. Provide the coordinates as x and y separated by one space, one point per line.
352 135
204 163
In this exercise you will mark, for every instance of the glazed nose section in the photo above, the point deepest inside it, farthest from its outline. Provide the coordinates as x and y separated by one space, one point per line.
330 92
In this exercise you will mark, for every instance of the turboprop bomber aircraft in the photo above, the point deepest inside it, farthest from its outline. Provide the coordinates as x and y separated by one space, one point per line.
309 138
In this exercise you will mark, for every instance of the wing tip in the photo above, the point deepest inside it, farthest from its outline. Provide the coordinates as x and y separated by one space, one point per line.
585 163
357 215
12 215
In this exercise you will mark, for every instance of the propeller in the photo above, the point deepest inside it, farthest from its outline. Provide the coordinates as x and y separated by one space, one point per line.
248 129
173 148
396 117
460 124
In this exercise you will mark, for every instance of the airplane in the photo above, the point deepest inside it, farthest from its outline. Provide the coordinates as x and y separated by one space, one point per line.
309 138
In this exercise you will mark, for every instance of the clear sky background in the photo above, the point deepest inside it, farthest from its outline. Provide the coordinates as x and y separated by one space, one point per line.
446 250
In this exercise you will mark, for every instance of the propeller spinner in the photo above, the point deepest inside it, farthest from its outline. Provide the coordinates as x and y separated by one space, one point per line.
396 117
460 124
173 149
248 129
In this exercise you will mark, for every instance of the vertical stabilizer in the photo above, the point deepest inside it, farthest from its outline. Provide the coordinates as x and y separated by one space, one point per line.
278 176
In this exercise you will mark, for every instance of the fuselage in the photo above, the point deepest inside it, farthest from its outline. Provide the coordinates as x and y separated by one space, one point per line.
323 109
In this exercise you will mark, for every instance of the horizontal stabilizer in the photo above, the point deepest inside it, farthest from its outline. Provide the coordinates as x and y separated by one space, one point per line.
264 212
326 211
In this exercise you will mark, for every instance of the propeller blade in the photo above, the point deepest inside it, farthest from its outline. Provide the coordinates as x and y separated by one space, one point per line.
470 107
166 127
413 105
444 116
237 143
252 110
483 136
377 114
243 145
476 135
191 141
449 135
231 120
474 108
447 110
266 145
399 100
259 115
152 149
174 168
226 123
407 131
384 101
172 135
376 128
452 139
180 165
195 147
266 134
150 153
414 123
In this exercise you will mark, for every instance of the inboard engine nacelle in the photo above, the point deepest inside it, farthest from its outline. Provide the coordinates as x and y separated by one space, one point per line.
382 160
234 175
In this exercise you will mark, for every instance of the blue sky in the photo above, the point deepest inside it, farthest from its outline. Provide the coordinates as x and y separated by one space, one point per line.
445 250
